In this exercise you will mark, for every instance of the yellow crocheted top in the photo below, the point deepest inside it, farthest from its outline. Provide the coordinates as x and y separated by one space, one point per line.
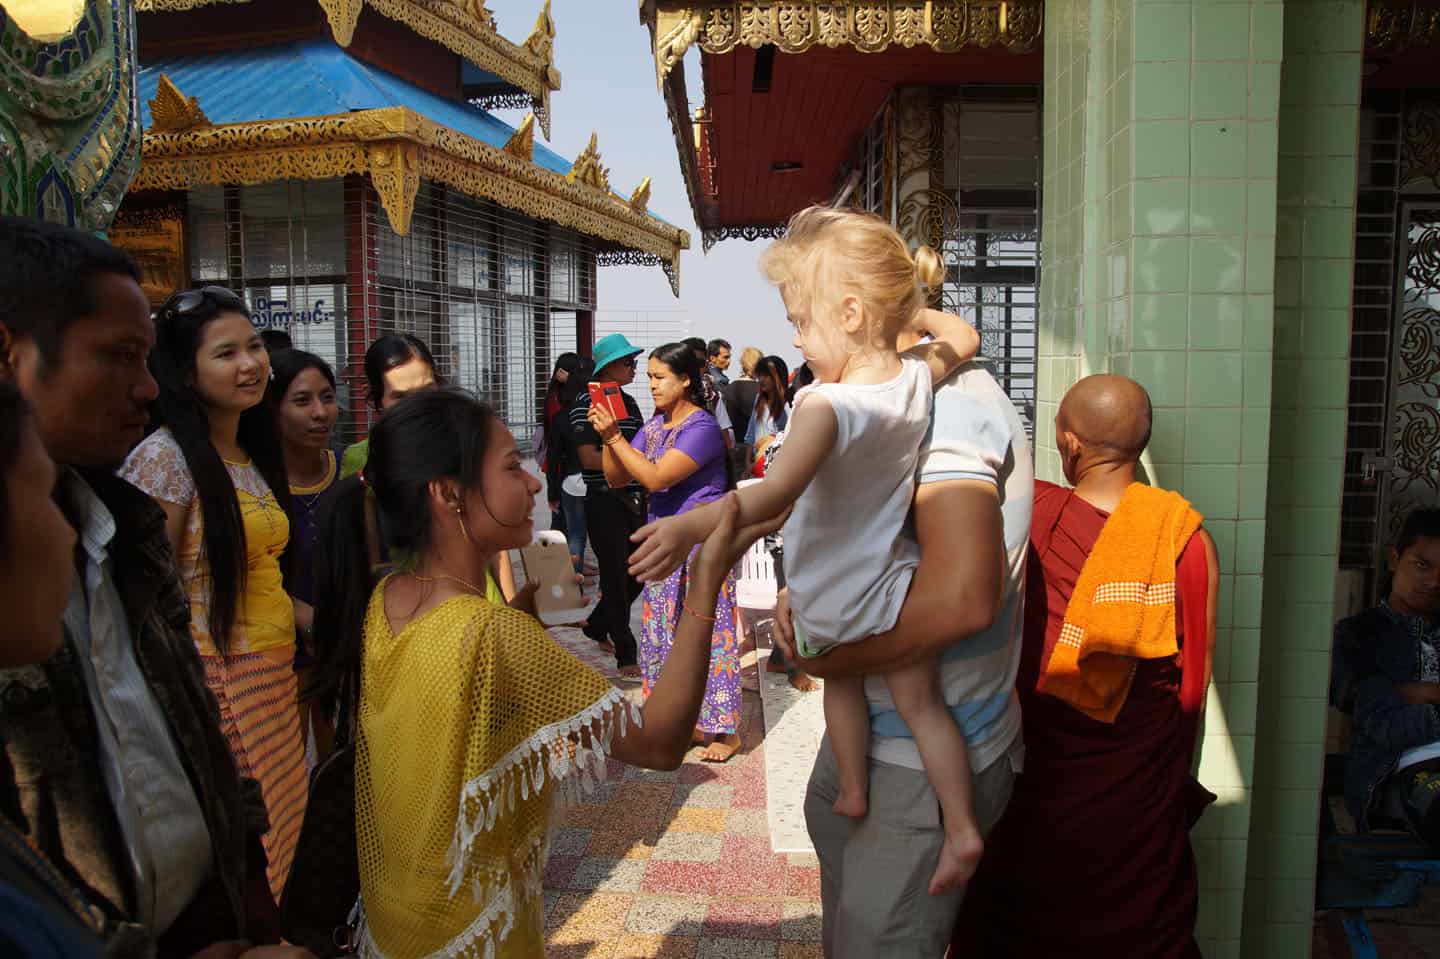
470 718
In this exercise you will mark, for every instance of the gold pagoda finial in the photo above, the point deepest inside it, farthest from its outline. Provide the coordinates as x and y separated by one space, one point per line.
640 199
587 168
477 10
172 111
542 38
522 142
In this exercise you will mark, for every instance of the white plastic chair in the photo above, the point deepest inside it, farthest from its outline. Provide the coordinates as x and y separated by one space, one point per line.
756 586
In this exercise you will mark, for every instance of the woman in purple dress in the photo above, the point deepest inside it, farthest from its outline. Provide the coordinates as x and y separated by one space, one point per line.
679 457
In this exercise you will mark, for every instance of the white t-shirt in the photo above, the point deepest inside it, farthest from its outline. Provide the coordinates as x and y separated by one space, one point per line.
977 435
848 559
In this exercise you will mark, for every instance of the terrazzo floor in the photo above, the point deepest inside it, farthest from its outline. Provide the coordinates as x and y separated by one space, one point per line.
680 864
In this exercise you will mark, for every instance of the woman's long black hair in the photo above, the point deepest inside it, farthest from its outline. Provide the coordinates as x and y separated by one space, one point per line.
580 376
804 376
285 365
179 407
567 362
438 434
683 362
773 370
388 352
14 420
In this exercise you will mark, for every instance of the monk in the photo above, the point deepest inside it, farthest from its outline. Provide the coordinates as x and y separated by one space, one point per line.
1092 857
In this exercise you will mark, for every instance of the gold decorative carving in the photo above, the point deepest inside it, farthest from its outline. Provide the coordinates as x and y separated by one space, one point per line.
156 240
870 26
172 110
1393 26
640 199
178 6
588 170
522 142
342 15
397 148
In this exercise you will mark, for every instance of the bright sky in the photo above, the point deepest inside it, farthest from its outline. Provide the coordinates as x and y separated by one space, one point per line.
608 86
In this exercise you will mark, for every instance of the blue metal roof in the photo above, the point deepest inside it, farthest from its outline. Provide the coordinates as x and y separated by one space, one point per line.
313 78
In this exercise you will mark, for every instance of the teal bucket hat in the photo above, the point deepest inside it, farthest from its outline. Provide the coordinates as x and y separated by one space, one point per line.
611 348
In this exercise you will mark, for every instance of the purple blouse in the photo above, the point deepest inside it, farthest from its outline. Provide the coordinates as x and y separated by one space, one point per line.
699 438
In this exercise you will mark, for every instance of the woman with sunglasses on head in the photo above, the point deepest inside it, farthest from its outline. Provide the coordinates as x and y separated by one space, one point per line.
564 481
216 468
547 443
301 398
611 515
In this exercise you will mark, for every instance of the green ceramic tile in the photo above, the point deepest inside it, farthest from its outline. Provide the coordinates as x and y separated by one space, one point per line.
1252 493
1216 377
1318 27
1217 264
1217 207
1217 321
1318 477
1262 150
1325 333
1284 376
1267 31
1167 432
1161 207
1218 91
1260 264
1301 721
1248 593
1217 148
1322 430
1257 379
1324 381
1264 99
1239 701
1158 321
1295 811
1161 265
1214 490
1312 626
1244 653
1329 232
1287 282
1326 283
1162 373
1317 531
1337 130
1222 31
1283 443
1255 432
1301 768
1328 181
1289 231
1162 32
1162 90
1222 534
1260 207
1162 148
1249 548
1259 321
1212 435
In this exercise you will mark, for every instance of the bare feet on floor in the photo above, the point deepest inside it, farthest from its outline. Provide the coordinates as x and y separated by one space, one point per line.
959 858
721 748
804 682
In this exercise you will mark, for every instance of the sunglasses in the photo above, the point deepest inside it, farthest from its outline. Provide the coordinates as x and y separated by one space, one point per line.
630 361
191 300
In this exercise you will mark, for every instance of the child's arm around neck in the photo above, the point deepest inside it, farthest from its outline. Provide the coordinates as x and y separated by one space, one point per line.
955 343
665 544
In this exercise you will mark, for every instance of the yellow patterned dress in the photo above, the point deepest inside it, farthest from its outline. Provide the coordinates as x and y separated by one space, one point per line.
473 724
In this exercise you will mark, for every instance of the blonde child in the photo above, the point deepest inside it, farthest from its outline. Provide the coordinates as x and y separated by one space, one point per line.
850 287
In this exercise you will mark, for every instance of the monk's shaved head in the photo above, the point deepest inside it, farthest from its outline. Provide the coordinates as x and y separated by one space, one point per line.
1110 412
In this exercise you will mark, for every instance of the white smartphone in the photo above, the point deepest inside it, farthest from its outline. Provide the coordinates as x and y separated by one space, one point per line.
559 600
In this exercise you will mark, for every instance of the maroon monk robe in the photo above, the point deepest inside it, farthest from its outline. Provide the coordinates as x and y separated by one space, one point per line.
1092 856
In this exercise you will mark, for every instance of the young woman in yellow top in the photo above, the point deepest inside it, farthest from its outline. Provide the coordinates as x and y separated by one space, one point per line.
216 469
472 721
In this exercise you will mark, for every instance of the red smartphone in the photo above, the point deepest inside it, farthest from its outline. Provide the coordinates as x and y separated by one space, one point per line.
608 395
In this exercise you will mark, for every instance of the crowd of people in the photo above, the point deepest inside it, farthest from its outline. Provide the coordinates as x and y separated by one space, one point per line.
265 695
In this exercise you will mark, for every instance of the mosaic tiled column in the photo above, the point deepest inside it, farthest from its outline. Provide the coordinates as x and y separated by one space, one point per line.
1319 123
1158 240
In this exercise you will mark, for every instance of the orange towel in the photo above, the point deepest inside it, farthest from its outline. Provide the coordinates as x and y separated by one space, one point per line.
1123 606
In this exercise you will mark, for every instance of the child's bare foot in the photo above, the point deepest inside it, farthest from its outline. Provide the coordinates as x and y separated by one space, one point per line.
852 802
959 858
803 682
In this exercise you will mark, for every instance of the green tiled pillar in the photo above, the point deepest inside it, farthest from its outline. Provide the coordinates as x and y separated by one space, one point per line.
1158 239
1314 262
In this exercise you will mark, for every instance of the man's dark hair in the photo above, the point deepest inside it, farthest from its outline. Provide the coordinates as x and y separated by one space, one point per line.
716 346
46 274
1420 522
696 344
276 340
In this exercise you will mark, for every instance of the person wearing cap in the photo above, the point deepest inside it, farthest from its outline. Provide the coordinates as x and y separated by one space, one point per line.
611 515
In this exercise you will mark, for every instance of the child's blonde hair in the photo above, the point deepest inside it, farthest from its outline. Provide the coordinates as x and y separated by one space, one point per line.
748 358
827 254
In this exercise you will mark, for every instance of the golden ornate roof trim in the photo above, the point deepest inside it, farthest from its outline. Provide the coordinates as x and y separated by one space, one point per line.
397 147
640 199
465 27
1394 26
522 142
174 111
870 26
587 169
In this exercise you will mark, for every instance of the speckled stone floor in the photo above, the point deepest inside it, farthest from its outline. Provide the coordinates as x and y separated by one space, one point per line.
679 864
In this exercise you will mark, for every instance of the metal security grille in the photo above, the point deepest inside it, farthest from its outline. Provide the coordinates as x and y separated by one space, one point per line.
494 294
958 168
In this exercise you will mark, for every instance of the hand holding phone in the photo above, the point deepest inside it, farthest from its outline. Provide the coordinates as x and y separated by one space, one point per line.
609 396
558 601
